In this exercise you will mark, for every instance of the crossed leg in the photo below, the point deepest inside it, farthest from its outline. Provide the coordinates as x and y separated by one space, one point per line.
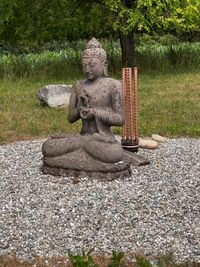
98 147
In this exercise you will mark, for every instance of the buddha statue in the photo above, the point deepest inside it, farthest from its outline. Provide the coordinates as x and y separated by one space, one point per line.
98 102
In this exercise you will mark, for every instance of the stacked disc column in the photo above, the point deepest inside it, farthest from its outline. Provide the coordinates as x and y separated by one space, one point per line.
130 128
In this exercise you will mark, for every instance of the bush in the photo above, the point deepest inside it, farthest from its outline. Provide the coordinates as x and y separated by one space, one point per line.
61 59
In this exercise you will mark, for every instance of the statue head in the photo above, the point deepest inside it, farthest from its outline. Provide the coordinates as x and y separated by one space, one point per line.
94 60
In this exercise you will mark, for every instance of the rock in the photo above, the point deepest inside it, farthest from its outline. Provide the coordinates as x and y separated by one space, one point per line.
55 95
158 138
148 143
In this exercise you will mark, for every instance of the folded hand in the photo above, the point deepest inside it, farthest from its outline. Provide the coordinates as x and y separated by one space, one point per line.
87 113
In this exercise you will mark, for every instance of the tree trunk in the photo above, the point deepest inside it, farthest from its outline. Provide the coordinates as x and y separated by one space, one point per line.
128 49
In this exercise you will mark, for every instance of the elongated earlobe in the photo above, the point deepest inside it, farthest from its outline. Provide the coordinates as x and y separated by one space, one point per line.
105 69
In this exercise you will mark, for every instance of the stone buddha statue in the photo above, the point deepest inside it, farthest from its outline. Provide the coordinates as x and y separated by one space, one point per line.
98 102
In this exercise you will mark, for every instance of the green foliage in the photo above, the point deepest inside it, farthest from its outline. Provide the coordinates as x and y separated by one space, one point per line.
37 21
158 56
164 39
83 260
116 259
167 260
155 15
152 54
142 261
49 64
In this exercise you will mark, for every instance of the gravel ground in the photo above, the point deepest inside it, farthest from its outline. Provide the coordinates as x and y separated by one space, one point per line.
154 211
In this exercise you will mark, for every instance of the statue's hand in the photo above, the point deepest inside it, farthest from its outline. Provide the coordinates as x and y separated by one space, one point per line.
87 113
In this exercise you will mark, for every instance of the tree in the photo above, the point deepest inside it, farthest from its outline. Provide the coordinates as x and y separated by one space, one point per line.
127 17
33 21
132 16
38 21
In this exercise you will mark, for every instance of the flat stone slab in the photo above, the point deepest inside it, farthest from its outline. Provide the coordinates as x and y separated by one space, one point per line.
135 159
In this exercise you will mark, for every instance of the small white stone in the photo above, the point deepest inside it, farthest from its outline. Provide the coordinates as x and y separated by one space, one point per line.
148 143
158 138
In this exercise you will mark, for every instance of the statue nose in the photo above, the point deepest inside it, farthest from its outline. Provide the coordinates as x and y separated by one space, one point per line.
87 68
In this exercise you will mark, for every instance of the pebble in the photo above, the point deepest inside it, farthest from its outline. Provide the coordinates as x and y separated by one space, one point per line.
154 211
148 143
158 138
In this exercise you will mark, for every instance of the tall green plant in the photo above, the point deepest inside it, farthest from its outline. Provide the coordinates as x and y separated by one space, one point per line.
116 259
83 260
141 261
67 62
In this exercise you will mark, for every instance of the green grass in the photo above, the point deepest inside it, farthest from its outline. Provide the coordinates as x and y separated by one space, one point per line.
21 115
169 104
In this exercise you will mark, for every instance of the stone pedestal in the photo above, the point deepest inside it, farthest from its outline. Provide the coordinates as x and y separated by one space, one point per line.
79 164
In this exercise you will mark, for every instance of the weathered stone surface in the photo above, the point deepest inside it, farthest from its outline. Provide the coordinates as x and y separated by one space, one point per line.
80 160
98 102
135 159
55 95
148 143
107 176
158 138
79 164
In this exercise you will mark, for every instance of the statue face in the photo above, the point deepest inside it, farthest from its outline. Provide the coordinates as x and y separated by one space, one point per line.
93 68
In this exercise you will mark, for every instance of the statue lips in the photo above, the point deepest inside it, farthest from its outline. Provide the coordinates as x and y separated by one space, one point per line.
90 76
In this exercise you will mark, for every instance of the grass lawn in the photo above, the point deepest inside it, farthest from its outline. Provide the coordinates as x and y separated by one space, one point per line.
169 104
